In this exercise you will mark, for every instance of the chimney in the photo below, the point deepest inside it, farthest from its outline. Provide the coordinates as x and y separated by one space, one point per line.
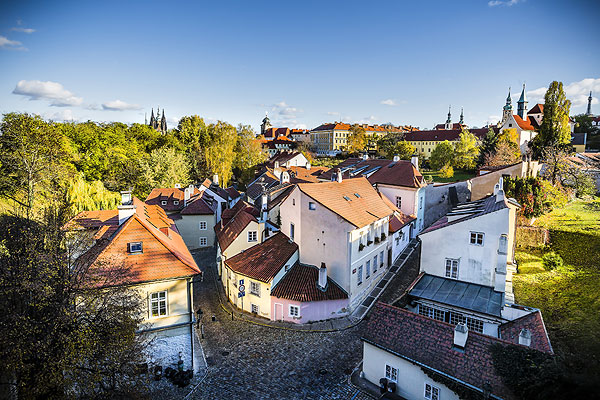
284 178
525 337
216 179
178 186
396 158
499 190
126 209
263 206
414 160
187 193
322 283
461 333
337 175
365 157
276 164
308 166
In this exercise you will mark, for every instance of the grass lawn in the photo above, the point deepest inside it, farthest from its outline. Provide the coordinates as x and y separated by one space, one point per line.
569 297
459 175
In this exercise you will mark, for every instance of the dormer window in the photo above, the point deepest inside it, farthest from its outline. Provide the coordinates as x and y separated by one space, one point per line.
134 247
252 236
176 202
311 206
163 203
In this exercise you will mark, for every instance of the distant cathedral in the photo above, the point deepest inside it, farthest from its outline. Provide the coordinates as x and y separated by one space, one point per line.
159 125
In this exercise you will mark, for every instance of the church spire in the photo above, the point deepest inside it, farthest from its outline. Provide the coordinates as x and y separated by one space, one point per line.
522 105
462 117
152 118
449 120
507 110
589 109
163 123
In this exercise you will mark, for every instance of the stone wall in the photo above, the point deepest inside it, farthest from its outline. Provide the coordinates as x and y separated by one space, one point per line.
437 199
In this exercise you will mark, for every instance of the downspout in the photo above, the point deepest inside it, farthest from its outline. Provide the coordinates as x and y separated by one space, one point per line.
190 282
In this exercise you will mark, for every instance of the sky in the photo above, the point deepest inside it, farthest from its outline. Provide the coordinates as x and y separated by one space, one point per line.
302 62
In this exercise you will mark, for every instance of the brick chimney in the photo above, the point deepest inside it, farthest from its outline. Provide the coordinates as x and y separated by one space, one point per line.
322 282
525 337
396 158
338 175
126 209
461 333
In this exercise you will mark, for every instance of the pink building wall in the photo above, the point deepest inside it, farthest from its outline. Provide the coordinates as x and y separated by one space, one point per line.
309 311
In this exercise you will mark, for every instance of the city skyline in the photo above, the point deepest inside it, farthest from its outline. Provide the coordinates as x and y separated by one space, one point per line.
304 65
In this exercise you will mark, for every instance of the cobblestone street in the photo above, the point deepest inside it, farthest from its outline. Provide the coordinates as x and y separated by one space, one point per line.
250 361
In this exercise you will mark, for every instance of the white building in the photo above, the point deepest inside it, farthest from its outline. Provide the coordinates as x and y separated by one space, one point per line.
344 225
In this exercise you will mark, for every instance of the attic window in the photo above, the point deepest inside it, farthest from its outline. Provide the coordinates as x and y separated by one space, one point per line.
311 206
357 195
163 203
134 247
347 198
176 202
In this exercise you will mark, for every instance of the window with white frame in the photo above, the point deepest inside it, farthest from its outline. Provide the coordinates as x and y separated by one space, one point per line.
176 202
203 241
359 276
375 263
134 247
381 258
255 288
477 238
503 245
252 236
432 312
254 308
432 392
451 268
391 373
311 206
294 311
398 201
202 225
158 304
368 268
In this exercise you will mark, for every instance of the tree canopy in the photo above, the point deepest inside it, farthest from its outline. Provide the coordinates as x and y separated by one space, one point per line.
555 130
442 155
466 151
393 144
357 139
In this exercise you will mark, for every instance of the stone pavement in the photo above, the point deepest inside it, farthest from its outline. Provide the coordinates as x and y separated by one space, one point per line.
259 361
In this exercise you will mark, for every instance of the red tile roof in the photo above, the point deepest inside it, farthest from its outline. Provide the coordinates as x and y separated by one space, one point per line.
233 222
537 109
170 195
535 324
344 127
350 165
201 204
399 221
525 125
431 343
275 132
300 284
263 261
441 135
164 254
399 173
341 198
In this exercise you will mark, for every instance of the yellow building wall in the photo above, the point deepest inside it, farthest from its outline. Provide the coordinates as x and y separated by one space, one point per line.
177 302
424 148
230 282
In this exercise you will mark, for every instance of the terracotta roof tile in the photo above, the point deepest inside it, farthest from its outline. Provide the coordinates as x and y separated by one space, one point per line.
263 261
535 324
399 221
201 204
526 125
399 173
300 284
341 198
355 167
233 223
170 195
537 109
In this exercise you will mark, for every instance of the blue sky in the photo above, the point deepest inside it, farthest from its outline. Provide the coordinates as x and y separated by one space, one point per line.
304 62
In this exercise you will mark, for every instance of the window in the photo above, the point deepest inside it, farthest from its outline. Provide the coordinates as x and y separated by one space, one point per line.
375 263
202 225
359 276
368 269
135 247
158 304
398 201
163 203
255 288
477 238
503 245
176 202
203 242
432 312
293 202
457 318
311 206
254 308
381 257
391 373
252 236
475 325
432 392
292 231
451 268
294 311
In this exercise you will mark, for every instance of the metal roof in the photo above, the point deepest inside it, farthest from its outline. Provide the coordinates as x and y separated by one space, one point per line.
468 296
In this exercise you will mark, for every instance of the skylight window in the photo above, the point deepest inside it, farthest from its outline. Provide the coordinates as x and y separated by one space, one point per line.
347 198
357 195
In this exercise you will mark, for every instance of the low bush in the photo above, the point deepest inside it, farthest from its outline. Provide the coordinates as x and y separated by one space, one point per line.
552 261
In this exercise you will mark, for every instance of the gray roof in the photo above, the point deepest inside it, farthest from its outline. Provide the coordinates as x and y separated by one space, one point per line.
468 296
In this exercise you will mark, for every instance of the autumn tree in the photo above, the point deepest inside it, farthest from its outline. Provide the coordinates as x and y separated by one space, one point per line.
357 139
442 155
220 151
164 167
555 130
488 146
465 151
248 153
393 144
507 150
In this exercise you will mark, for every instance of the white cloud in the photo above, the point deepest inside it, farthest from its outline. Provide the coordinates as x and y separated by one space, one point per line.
283 114
389 102
54 91
367 120
61 116
333 113
118 105
508 3
23 30
7 44
577 92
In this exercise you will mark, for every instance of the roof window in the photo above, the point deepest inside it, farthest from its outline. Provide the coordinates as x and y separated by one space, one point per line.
347 198
357 195
134 247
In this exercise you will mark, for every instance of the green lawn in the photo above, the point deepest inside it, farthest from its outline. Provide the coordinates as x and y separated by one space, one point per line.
459 175
569 297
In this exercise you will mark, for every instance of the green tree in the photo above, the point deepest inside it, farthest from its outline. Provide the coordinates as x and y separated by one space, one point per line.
442 156
466 151
555 130
393 144
164 167
488 146
248 153
220 151
357 139
507 150
583 123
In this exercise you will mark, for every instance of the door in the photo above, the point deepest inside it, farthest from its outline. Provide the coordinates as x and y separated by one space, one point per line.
389 257
278 316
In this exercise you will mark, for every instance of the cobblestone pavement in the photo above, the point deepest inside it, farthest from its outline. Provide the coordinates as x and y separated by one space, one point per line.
249 361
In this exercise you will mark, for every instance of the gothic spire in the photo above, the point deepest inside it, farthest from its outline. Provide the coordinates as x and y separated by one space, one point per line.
508 105
522 105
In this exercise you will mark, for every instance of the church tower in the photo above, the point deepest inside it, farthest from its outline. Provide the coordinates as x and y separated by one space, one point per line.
163 123
152 120
156 123
462 117
522 105
266 124
507 110
449 120
589 110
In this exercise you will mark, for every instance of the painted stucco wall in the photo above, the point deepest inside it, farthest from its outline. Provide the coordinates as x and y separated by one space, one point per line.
309 311
411 378
412 201
240 243
437 199
483 185
189 228
177 301
399 241
453 242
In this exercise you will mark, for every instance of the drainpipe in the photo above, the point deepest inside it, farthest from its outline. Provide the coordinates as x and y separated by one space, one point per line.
190 311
